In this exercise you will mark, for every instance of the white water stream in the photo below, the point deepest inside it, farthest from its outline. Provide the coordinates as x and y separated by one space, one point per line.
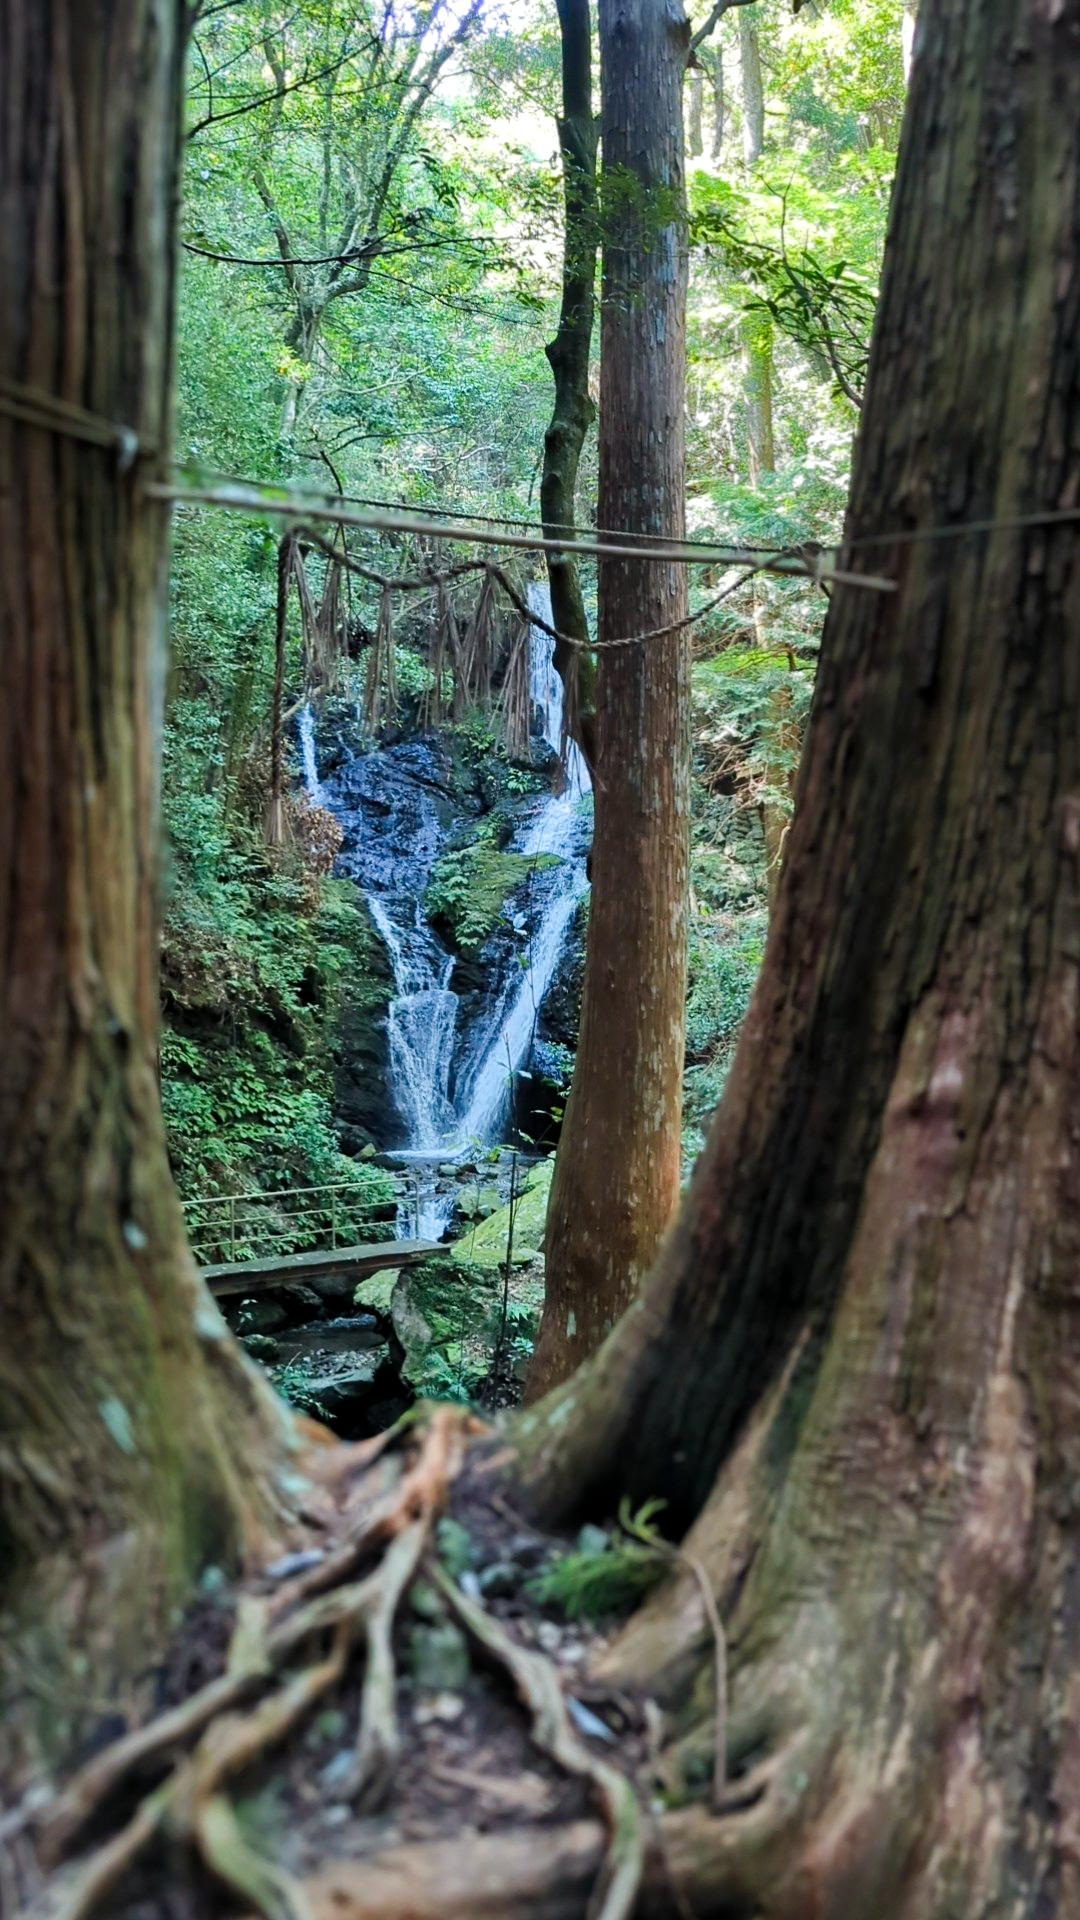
428 1048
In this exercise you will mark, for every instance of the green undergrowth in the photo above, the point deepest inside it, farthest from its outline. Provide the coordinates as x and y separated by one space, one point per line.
606 1573
448 1313
724 959
484 1243
256 958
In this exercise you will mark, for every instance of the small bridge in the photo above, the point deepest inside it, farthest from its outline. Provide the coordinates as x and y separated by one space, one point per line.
254 1242
253 1276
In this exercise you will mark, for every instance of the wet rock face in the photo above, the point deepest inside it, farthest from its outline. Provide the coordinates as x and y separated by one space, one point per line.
395 806
560 1015
462 878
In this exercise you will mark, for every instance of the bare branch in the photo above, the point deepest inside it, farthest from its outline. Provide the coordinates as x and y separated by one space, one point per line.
713 21
371 249
268 98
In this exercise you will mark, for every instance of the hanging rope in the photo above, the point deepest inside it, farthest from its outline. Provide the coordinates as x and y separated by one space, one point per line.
244 496
34 407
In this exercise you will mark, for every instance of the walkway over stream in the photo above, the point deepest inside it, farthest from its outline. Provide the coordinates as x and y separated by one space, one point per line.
251 1242
252 1276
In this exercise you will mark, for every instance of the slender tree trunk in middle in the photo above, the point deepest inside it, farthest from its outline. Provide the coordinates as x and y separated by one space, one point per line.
275 812
756 327
568 355
617 1174
695 139
753 90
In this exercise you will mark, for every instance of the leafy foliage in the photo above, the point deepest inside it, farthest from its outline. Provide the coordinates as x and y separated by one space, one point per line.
425 379
594 1582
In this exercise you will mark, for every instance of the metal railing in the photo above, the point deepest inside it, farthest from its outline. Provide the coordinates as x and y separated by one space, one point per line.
251 1226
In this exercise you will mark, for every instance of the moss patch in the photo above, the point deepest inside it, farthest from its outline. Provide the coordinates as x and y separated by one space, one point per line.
484 1245
447 1312
376 1291
471 888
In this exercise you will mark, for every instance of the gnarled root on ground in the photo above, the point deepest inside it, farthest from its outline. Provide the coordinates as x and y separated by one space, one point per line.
292 1649
216 1735
170 1781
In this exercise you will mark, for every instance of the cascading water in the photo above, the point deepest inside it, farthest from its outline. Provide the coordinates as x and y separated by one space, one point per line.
499 1044
420 1028
450 1079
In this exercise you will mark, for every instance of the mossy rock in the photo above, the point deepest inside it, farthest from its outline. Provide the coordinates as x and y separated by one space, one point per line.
437 1305
484 1246
473 1205
376 1290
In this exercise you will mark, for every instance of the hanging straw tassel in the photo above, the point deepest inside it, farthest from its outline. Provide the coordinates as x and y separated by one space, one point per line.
380 691
514 710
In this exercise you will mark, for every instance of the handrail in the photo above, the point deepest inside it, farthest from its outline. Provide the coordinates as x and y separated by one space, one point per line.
221 1221
284 1193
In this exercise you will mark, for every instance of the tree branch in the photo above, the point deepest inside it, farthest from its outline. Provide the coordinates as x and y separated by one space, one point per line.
713 21
271 95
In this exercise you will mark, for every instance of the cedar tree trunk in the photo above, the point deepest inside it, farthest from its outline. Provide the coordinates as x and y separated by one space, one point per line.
617 1173
128 1421
856 1361
568 355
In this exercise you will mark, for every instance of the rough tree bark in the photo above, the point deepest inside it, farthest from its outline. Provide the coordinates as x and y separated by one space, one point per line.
128 1421
617 1173
568 355
855 1361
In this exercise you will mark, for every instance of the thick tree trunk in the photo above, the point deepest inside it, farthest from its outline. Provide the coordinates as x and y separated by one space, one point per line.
617 1174
861 1336
568 355
128 1420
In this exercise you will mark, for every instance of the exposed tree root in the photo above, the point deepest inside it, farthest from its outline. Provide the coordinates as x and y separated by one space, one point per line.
538 1684
291 1649
720 1673
532 1873
190 1802
419 1493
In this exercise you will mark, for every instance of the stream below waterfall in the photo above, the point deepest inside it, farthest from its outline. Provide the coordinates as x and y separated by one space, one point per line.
453 1055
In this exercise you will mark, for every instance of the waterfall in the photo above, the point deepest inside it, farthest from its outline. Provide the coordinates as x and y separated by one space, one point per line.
422 1015
499 1049
420 1029
451 1081
307 754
